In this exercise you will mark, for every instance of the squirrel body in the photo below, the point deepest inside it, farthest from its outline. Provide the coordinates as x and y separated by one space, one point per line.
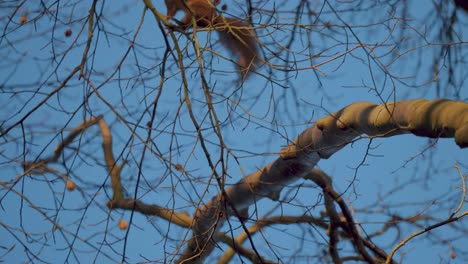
234 33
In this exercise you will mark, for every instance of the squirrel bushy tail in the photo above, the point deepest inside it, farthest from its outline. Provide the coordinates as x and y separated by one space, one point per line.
235 34
240 41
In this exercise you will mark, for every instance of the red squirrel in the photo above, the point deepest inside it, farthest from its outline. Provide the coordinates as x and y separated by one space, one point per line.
234 34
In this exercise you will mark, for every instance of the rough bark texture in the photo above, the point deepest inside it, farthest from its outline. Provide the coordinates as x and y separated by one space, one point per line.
436 118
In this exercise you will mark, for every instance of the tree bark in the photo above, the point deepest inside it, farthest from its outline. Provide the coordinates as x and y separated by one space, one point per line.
436 118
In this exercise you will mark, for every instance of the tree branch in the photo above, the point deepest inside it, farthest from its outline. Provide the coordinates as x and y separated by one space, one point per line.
437 118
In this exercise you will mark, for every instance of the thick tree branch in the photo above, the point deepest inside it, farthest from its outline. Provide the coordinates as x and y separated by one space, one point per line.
437 118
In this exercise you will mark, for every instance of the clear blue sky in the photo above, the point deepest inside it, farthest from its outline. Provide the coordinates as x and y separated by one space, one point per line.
259 129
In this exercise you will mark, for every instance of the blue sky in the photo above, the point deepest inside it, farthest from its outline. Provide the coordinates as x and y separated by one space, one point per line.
407 174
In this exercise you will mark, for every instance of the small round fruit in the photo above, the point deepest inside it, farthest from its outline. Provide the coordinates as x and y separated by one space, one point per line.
23 20
123 224
70 185
453 255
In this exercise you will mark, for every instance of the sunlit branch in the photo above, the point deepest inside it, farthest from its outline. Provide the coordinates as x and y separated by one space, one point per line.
241 250
437 118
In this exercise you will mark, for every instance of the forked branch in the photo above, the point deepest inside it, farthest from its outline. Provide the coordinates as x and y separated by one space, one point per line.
436 118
